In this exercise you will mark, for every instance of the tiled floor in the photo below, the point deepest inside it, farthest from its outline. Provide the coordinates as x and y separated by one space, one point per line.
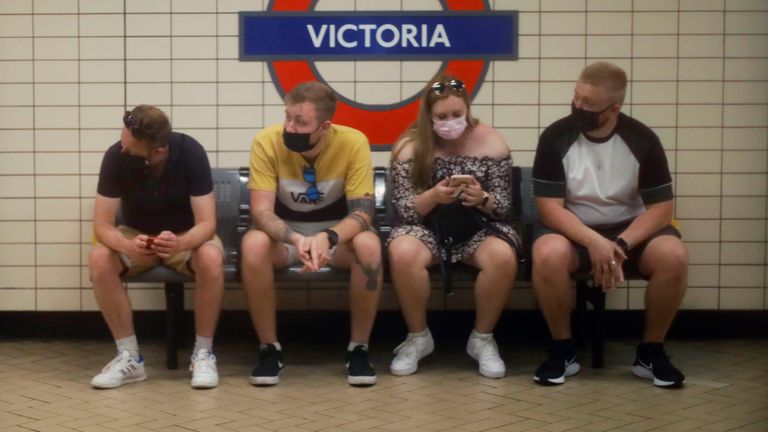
44 387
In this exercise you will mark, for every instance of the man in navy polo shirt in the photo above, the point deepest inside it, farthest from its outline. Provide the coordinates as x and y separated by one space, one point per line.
604 195
161 183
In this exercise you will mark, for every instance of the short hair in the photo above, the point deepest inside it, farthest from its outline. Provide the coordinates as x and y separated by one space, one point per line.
317 93
150 124
608 76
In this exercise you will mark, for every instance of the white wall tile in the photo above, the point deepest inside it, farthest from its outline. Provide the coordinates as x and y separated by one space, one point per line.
656 115
16 140
654 22
701 22
742 298
15 48
750 5
56 163
746 115
94 48
372 71
743 230
514 116
232 70
194 116
17 255
194 48
56 186
17 232
17 209
100 71
745 161
706 92
102 94
745 138
148 25
700 69
703 253
17 277
563 47
699 138
654 69
700 298
700 230
16 186
697 207
149 70
698 161
58 255
239 94
16 25
194 70
143 48
561 70
744 207
57 231
746 46
16 6
148 93
194 94
101 6
745 22
16 163
745 184
609 46
58 299
103 117
57 209
699 115
193 6
654 92
654 46
15 71
746 69
236 139
741 276
17 299
698 185
701 45
55 25
101 25
194 24
746 92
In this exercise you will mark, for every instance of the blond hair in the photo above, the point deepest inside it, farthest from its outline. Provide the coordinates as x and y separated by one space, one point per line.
607 76
317 93
421 134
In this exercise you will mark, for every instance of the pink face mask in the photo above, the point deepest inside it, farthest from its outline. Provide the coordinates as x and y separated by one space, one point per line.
450 129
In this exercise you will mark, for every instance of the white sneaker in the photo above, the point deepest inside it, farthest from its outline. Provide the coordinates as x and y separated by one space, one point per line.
204 372
123 369
485 351
413 349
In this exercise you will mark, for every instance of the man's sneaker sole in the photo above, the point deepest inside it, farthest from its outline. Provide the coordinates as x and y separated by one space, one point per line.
205 385
265 381
111 386
570 370
645 373
361 381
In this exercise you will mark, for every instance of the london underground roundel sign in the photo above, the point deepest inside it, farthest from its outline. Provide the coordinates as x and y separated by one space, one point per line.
291 35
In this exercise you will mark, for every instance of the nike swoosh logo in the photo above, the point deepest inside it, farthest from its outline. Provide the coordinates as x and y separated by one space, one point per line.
647 366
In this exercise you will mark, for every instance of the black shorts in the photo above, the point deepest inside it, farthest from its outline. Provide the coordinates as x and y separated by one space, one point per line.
631 266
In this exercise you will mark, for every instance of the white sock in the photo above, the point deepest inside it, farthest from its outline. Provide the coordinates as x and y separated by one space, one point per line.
478 335
130 344
276 344
352 345
201 342
423 333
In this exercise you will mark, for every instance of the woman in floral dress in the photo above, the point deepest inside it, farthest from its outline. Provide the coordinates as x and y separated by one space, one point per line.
446 140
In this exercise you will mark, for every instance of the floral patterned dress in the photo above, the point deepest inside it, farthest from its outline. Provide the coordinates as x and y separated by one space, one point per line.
492 174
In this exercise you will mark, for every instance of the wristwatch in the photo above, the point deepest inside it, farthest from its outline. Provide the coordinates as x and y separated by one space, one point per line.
622 244
333 237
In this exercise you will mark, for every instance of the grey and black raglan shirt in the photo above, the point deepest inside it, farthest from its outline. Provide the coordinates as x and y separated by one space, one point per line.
603 182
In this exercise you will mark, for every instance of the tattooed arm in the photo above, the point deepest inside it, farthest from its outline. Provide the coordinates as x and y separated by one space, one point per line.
264 219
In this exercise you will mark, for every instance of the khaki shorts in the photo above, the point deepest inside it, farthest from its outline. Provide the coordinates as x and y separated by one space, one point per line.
181 262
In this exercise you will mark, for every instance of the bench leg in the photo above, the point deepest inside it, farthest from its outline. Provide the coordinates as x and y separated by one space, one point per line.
174 313
597 298
581 318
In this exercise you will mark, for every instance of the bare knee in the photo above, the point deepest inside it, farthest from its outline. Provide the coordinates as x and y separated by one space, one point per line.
406 252
255 249
103 261
551 255
367 247
500 258
208 260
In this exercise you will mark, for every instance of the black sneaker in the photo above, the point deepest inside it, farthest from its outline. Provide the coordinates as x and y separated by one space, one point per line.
652 363
360 371
560 363
267 372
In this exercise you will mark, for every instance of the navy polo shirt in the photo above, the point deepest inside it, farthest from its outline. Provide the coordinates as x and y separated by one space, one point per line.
153 205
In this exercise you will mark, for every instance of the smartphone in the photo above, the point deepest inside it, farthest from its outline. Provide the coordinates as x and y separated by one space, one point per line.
150 242
460 179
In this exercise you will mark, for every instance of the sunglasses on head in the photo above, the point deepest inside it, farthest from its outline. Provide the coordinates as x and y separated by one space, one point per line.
129 121
454 84
313 194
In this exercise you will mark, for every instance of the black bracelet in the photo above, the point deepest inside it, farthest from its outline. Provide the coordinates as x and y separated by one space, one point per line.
622 244
486 197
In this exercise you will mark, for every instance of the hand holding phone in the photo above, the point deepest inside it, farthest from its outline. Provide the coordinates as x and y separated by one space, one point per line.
460 179
150 241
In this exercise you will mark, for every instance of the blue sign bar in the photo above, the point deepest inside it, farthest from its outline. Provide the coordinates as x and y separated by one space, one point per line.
378 35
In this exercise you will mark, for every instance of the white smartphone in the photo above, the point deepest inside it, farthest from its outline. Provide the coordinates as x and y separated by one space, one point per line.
460 179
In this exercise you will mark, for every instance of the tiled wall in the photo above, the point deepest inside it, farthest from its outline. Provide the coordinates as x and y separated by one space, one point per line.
68 69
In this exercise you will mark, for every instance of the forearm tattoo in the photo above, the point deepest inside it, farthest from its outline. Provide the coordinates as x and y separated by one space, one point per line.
271 224
362 205
364 226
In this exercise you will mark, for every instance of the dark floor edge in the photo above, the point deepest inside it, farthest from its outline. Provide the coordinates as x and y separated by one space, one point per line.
515 325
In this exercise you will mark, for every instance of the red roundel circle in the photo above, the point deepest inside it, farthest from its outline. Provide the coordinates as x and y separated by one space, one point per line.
382 125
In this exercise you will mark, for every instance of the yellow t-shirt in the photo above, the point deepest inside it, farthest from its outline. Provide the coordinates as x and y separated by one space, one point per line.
343 170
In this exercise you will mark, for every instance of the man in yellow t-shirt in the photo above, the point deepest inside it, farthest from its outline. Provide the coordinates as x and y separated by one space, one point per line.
311 184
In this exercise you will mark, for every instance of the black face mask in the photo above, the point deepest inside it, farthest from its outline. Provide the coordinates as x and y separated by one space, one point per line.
587 120
299 142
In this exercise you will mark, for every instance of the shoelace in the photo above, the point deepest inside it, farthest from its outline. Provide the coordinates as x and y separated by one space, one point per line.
122 356
203 363
408 346
488 348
